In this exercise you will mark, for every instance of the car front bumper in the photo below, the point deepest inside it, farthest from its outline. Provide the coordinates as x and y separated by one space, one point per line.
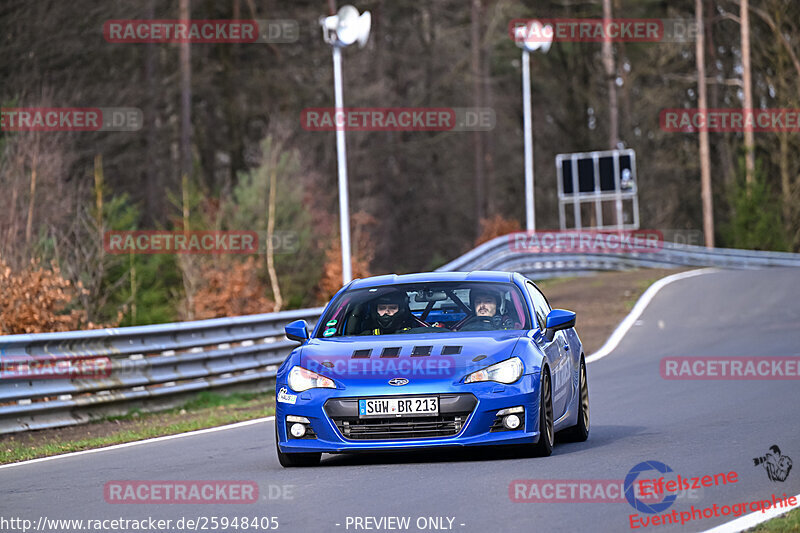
476 405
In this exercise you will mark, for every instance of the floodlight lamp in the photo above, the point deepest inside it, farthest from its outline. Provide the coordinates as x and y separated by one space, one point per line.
547 30
352 27
534 36
329 25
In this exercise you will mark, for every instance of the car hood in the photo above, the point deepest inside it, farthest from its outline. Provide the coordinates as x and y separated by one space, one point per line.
434 356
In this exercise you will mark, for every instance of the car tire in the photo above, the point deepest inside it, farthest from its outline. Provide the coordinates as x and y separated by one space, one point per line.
288 460
580 431
544 447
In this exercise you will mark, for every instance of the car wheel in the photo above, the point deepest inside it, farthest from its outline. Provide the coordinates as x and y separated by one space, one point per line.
580 431
288 460
544 447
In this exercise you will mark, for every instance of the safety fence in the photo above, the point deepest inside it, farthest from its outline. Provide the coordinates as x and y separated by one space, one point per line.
147 367
504 253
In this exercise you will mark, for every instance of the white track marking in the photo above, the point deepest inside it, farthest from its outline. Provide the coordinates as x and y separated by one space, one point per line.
146 441
750 520
639 308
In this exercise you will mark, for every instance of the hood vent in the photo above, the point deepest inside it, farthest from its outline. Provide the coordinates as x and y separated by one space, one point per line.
479 358
390 352
451 350
421 351
362 354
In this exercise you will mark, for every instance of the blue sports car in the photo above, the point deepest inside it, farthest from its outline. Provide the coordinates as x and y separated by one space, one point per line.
432 360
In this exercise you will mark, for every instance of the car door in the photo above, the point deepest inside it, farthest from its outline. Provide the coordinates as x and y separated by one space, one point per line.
557 352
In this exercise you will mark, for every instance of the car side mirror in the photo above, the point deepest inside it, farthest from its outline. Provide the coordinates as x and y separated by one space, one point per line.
297 331
558 319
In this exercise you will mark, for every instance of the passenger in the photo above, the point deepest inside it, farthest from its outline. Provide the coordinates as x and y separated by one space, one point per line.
485 304
391 314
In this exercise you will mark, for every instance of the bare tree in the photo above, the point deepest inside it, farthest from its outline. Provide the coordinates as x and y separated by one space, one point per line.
613 105
702 104
744 15
186 96
152 192
188 266
32 198
611 80
274 155
477 98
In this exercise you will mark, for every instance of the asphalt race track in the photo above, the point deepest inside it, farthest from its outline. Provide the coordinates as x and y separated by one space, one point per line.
698 428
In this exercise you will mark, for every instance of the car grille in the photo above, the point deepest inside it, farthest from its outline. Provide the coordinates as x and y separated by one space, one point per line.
454 410
401 428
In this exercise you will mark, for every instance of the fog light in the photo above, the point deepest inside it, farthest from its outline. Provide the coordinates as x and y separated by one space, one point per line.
298 430
510 422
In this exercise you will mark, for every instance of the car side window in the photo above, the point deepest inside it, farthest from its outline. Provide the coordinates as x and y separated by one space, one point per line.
540 305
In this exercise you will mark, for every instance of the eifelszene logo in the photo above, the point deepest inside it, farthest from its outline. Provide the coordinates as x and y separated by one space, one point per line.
636 502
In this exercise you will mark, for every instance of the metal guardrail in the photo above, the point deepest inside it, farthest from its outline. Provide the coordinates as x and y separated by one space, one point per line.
154 366
144 366
502 254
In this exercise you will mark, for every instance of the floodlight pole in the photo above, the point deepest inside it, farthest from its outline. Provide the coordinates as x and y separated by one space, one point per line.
530 217
341 156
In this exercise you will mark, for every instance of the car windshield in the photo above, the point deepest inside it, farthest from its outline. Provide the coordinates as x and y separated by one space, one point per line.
426 308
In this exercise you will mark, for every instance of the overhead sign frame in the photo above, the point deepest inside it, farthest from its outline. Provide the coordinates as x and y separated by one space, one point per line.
589 180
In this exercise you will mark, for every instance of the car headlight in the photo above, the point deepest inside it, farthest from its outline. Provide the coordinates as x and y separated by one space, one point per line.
507 371
301 379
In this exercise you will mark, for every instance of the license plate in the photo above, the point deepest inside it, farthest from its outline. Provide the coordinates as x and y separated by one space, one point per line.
375 407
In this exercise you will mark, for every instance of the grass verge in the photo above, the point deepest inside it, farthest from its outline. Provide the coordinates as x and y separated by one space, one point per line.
790 522
208 409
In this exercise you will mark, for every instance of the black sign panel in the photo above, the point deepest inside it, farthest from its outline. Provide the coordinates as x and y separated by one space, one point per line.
586 174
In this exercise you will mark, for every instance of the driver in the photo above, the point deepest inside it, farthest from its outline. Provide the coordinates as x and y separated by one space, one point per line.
485 304
391 314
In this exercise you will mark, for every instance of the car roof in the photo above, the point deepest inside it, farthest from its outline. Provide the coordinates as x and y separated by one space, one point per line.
420 277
